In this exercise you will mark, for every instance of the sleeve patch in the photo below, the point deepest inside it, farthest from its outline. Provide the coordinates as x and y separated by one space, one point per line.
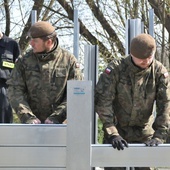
108 70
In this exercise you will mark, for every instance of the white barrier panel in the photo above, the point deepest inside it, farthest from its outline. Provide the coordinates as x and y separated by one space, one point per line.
32 135
79 109
32 147
137 155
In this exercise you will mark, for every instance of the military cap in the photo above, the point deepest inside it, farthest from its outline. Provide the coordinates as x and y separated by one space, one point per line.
40 29
142 46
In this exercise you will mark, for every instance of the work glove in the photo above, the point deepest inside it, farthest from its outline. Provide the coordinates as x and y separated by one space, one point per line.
153 142
118 142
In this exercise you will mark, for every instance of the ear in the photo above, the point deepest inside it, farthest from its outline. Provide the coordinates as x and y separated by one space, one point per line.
49 42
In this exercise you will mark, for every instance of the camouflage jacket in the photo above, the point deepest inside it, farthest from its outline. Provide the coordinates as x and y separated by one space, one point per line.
37 87
125 97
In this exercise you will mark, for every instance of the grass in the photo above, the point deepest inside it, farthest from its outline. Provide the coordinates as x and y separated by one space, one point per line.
15 118
100 132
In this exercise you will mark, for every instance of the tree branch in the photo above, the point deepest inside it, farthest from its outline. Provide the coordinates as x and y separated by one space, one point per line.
105 53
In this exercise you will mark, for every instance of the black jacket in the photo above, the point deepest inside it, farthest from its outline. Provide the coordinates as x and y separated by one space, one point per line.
9 52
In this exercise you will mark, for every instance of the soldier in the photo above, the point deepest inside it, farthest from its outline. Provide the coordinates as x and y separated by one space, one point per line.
37 87
125 95
9 52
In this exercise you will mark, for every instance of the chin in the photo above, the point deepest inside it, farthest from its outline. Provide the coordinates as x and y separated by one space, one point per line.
35 51
144 67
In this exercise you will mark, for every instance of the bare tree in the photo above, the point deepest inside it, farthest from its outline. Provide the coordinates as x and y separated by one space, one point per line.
162 11
24 40
7 14
102 22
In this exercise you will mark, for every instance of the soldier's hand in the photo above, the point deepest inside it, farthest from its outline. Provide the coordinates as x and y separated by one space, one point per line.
153 142
48 121
118 142
34 121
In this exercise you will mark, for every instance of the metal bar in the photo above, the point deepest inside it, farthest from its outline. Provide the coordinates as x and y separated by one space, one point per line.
138 27
133 28
79 111
33 135
33 16
33 157
151 22
127 37
137 155
131 145
76 34
91 73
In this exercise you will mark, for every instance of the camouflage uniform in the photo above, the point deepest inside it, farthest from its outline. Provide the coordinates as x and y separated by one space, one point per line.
37 87
124 100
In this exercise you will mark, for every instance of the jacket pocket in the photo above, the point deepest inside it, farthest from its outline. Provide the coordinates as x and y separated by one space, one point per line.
59 76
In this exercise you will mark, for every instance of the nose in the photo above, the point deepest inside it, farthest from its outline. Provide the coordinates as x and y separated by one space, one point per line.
146 61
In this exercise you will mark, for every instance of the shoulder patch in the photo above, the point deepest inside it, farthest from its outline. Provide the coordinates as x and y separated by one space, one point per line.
108 70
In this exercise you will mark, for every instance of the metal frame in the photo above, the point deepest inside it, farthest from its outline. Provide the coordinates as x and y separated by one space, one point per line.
133 28
91 73
33 17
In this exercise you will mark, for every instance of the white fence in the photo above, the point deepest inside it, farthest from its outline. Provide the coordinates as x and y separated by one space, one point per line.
68 147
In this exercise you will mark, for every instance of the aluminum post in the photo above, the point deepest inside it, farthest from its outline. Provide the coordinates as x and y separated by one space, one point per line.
133 28
151 22
79 110
33 16
91 73
76 34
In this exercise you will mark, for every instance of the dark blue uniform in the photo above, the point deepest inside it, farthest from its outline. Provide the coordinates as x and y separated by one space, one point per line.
9 52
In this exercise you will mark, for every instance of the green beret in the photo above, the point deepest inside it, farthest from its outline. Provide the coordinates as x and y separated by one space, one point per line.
40 29
142 46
